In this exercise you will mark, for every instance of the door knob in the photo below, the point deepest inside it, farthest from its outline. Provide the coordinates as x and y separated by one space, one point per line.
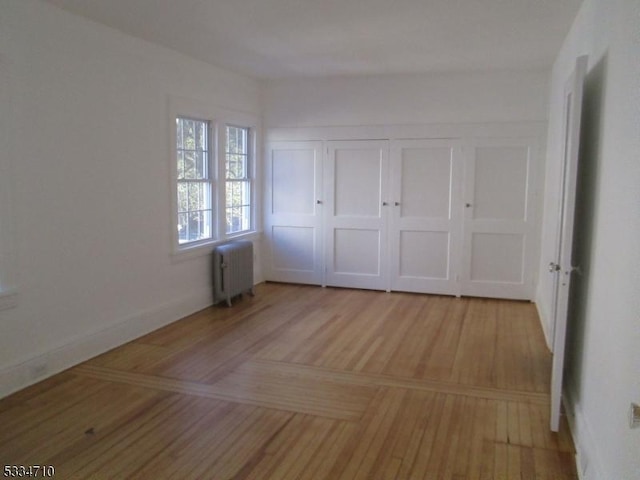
384 204
397 204
553 267
319 202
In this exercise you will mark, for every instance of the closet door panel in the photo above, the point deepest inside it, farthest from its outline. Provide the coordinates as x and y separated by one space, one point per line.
486 248
499 220
426 179
426 216
356 179
413 261
293 220
500 184
356 252
293 248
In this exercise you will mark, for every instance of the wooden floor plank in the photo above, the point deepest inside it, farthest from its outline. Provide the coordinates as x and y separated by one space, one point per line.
301 382
187 449
366 379
115 452
295 460
428 439
40 406
327 457
373 441
71 425
244 448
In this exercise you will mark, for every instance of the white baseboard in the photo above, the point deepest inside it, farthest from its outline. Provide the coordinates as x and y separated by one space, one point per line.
87 345
588 462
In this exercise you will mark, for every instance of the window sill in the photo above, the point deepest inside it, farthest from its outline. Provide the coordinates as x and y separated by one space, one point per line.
187 253
8 299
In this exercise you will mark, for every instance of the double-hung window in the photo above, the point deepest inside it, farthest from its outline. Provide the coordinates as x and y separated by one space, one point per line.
194 182
237 179
213 165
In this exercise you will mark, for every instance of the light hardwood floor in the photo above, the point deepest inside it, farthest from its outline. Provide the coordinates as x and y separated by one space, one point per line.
306 383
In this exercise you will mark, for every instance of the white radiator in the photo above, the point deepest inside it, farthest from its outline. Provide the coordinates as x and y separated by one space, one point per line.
232 270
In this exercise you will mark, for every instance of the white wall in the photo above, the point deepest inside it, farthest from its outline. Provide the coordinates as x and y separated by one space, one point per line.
407 99
86 141
603 357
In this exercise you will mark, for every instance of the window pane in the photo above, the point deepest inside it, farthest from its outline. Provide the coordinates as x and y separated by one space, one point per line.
190 172
195 165
194 220
201 165
238 206
233 195
229 194
236 166
228 166
192 149
205 196
198 196
188 135
183 233
246 217
194 226
201 136
238 194
237 139
192 198
206 230
179 132
183 195
180 166
233 220
241 140
245 193
232 140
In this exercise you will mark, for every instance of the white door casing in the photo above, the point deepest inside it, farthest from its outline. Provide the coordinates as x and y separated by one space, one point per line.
425 215
293 220
561 266
356 214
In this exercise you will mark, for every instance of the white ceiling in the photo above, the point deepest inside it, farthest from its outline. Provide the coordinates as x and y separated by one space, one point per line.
310 38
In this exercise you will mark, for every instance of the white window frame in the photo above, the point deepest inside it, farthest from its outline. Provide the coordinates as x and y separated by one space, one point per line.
218 119
249 178
208 180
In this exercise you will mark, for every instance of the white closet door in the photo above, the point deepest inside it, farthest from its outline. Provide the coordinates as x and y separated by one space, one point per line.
293 219
499 219
356 182
426 216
